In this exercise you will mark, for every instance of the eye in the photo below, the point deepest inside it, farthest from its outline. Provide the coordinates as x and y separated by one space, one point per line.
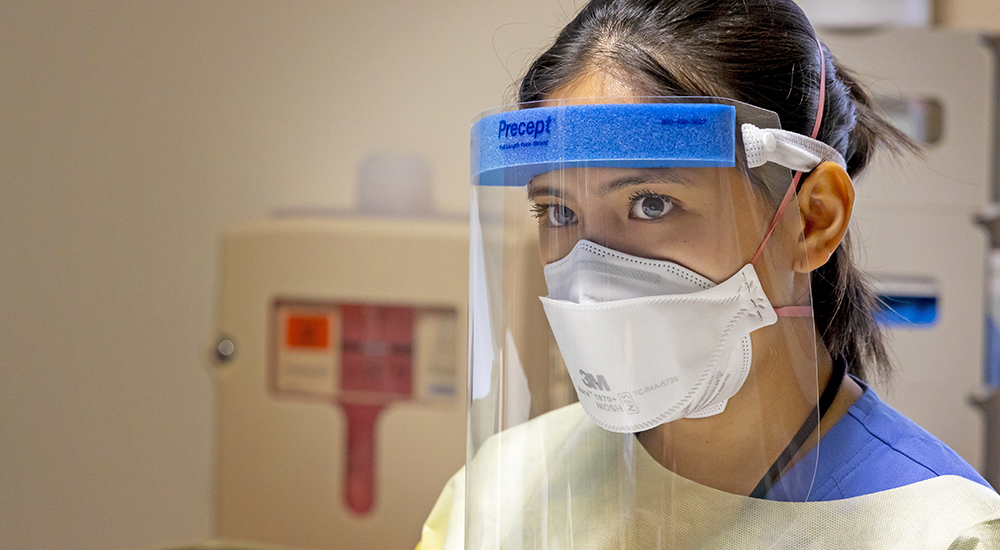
556 215
649 206
559 215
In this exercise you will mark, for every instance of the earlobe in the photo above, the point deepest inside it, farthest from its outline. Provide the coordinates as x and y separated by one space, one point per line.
826 200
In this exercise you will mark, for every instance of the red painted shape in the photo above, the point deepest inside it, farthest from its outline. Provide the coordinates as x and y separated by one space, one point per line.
359 486
308 331
376 368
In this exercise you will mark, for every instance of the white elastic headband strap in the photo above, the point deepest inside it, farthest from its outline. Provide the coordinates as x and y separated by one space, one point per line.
789 149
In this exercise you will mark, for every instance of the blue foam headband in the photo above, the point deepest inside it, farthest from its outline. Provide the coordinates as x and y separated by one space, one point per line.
510 148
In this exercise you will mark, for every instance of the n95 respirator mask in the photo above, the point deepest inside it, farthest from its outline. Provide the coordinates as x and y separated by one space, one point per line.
647 341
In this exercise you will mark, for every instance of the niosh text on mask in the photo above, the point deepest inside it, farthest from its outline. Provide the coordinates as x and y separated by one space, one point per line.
534 129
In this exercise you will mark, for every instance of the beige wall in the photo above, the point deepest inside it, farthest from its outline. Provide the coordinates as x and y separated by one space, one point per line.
131 133
969 14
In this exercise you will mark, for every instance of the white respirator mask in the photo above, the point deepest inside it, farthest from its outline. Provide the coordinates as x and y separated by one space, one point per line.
646 341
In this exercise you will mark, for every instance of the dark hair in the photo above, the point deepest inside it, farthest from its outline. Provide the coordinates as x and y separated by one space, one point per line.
761 52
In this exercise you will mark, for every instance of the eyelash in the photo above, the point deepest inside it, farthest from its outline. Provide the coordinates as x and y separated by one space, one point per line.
540 209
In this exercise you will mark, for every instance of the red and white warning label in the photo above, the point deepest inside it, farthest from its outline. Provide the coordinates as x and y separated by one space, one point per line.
364 353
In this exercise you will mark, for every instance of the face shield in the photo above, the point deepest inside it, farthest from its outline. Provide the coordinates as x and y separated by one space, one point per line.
643 357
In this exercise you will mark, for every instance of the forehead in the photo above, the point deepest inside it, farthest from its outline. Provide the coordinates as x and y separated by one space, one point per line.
598 86
604 181
581 185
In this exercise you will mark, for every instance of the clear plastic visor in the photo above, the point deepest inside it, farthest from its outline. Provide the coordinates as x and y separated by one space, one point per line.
628 360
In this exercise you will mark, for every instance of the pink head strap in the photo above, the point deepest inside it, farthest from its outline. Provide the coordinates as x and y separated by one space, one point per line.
797 311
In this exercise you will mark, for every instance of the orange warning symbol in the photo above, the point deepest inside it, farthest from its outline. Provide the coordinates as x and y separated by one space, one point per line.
308 332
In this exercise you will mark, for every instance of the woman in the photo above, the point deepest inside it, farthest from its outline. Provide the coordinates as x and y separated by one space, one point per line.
689 163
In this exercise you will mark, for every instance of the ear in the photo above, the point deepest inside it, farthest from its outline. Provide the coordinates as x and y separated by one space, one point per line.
826 200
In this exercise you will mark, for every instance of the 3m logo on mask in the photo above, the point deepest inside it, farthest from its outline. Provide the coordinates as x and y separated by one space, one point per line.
595 382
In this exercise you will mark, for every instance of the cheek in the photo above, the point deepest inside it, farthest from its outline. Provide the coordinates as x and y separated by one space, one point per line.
598 222
556 244
712 249
550 247
776 266
721 239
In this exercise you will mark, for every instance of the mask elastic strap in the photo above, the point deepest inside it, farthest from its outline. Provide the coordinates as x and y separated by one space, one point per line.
797 311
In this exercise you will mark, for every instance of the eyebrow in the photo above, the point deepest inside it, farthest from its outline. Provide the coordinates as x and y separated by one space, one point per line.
616 184
547 191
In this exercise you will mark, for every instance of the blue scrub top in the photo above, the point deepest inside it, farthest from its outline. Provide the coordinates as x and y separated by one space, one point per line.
871 448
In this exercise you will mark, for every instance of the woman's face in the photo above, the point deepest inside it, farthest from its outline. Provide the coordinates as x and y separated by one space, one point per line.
705 219
709 220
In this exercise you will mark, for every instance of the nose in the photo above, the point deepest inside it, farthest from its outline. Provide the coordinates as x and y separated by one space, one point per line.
592 225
